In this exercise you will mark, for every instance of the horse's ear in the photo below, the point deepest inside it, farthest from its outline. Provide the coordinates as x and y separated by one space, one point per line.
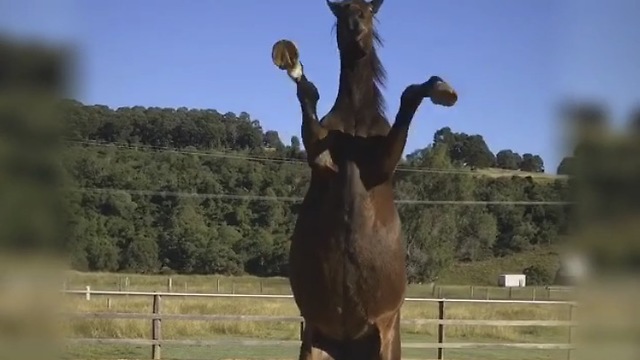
375 5
335 7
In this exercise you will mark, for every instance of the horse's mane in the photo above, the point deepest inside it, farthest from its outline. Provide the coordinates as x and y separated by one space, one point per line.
377 72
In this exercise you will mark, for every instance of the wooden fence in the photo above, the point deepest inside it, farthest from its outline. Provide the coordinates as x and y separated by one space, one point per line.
281 287
156 318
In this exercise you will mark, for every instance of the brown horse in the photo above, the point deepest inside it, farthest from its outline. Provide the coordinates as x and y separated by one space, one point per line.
347 257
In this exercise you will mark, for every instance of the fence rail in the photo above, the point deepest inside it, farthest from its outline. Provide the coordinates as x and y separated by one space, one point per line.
230 286
156 318
88 292
297 319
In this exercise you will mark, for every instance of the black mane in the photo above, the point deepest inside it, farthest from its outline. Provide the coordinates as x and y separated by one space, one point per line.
363 79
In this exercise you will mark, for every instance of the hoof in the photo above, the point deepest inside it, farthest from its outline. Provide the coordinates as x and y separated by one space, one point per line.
286 57
443 94
285 54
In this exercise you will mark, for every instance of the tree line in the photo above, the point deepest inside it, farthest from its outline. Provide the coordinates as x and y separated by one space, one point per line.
171 154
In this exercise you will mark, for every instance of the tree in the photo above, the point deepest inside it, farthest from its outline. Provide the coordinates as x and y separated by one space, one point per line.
476 153
466 150
537 276
634 122
430 239
212 153
444 136
295 143
272 140
102 254
186 239
507 159
141 256
532 163
566 166
477 234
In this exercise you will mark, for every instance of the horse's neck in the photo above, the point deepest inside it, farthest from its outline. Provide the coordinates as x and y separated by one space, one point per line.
358 108
357 88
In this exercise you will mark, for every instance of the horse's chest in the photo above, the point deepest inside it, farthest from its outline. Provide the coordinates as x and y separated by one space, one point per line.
354 222
355 240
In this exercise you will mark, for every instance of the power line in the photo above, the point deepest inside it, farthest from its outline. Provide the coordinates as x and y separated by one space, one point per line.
246 157
299 199
187 152
255 158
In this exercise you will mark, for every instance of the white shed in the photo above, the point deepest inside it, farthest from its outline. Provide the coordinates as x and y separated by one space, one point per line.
573 269
512 280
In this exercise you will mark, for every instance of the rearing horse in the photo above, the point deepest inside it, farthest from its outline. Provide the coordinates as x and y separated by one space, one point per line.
347 257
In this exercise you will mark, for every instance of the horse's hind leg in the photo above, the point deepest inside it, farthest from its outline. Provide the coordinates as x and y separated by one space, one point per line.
383 344
309 350
389 328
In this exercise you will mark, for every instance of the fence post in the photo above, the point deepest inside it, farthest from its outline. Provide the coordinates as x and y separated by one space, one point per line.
88 293
169 284
471 292
301 329
441 329
156 327
572 309
218 285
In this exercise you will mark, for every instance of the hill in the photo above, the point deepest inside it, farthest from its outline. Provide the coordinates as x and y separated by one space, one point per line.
486 272
201 192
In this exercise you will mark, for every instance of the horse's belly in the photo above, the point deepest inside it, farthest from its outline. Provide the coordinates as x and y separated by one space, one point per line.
343 282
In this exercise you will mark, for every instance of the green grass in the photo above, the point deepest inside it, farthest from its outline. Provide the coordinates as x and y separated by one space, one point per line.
282 331
280 286
496 172
107 328
462 280
486 272
467 280
233 352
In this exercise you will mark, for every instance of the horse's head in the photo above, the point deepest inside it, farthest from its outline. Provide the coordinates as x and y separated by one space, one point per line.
355 28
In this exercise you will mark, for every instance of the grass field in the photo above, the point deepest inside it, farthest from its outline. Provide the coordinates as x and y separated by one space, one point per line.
486 272
289 331
280 286
286 307
262 353
496 172
462 280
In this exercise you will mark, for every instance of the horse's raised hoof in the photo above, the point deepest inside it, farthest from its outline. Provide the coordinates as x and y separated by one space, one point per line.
443 94
285 56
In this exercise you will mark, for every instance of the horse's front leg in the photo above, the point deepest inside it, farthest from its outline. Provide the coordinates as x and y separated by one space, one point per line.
438 91
314 136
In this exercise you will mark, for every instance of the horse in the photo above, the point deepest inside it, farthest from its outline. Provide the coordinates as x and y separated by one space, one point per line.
347 257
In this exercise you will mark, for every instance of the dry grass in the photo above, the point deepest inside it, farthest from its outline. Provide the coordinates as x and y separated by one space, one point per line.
176 329
496 172
276 285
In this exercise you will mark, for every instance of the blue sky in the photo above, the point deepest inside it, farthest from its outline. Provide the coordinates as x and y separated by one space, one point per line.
511 61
